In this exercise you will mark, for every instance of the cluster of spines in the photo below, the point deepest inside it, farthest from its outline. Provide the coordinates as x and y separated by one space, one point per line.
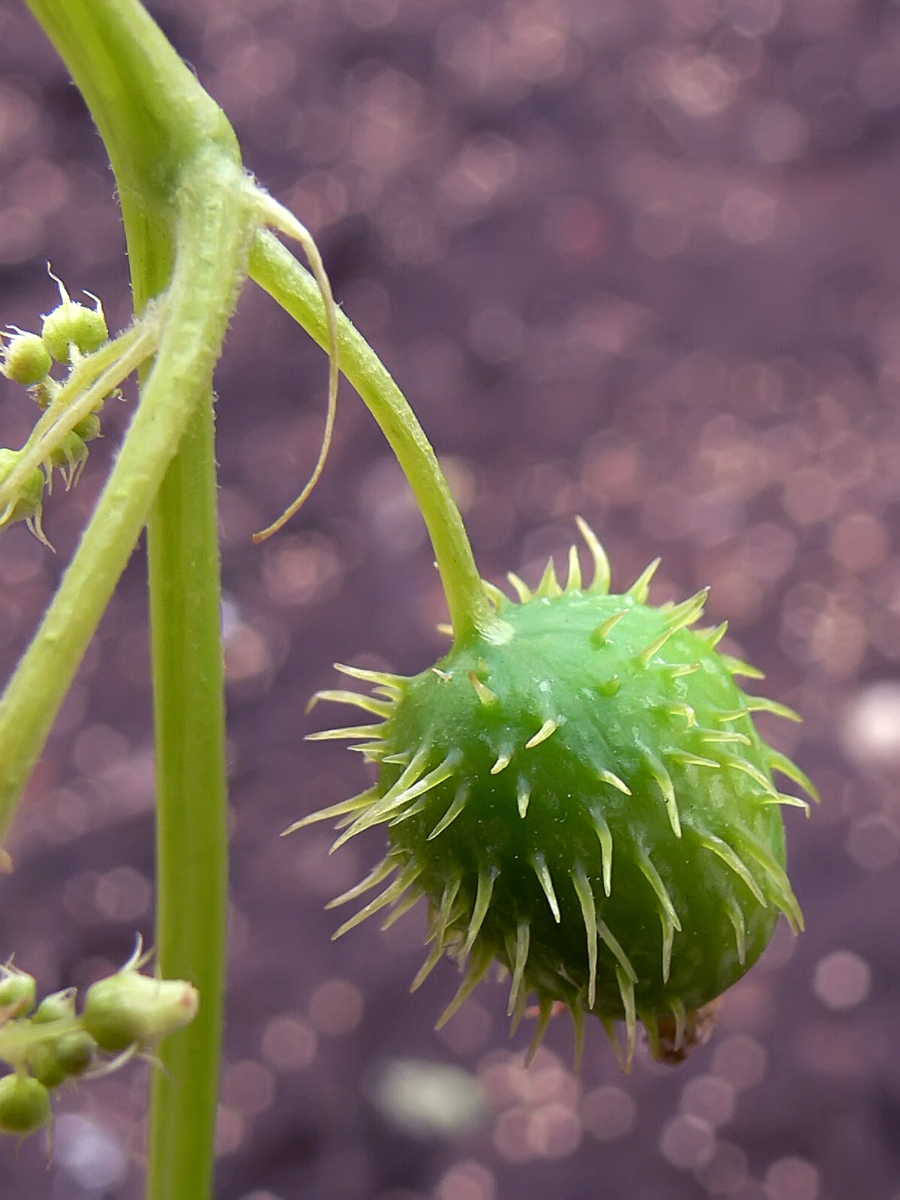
410 793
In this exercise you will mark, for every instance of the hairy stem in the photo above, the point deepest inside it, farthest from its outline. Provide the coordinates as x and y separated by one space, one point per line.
167 138
151 112
212 246
191 824
212 239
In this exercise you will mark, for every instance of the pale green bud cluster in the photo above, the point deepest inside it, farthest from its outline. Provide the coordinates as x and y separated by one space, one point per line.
68 333
123 1015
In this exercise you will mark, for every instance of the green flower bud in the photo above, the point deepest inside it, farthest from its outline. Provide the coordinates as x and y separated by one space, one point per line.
72 324
57 1059
88 427
58 1006
74 1051
69 455
18 991
28 504
44 1066
30 497
24 1105
130 1009
26 359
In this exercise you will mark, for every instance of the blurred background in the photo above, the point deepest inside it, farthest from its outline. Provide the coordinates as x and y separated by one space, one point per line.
634 259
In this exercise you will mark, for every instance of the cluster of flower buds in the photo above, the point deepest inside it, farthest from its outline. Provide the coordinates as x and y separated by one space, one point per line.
123 1015
69 332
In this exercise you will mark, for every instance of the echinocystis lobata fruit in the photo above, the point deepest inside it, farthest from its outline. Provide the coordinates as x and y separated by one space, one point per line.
581 794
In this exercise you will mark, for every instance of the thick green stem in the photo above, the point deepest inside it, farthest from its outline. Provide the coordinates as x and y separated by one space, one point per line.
277 271
151 112
213 236
192 835
156 122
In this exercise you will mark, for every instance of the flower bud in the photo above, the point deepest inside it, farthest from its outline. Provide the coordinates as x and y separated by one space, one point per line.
26 359
72 324
130 1009
57 1059
88 427
27 505
18 991
56 1007
74 1051
69 455
24 1104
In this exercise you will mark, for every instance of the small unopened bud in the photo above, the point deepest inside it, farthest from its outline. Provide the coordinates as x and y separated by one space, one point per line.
18 991
72 324
24 1104
88 427
130 1009
28 504
26 359
58 1006
74 1051
69 455
57 1059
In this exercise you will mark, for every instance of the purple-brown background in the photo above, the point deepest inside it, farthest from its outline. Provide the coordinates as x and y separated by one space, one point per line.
634 259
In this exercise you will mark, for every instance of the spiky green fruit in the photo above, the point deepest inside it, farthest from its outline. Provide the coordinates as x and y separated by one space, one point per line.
582 795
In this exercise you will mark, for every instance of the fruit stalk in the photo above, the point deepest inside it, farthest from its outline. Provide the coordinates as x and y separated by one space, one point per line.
277 271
